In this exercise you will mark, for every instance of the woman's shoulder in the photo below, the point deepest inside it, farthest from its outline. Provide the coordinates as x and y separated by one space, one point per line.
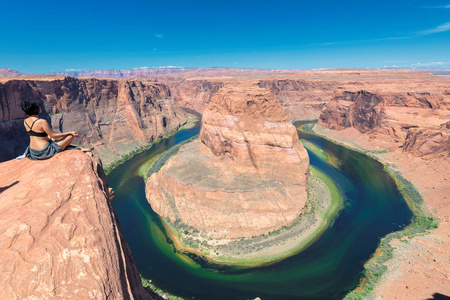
33 122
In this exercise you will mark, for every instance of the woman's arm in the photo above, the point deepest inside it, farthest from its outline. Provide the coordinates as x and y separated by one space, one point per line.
48 130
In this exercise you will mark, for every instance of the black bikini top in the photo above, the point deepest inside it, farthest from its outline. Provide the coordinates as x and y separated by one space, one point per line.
34 133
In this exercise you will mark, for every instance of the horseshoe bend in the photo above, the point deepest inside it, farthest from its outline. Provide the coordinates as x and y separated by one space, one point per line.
244 178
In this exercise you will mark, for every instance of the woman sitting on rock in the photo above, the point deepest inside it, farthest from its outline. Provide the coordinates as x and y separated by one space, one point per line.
42 144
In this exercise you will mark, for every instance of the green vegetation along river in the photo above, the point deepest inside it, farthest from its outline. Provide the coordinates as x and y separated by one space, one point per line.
328 269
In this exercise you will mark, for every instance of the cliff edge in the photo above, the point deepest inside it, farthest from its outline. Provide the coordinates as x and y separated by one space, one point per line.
59 237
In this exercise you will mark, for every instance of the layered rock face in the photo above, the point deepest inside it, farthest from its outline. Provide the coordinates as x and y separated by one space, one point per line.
113 116
301 99
195 94
247 174
59 237
415 121
246 126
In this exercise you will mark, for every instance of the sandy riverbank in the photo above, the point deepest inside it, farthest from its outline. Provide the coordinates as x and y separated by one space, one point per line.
324 203
419 268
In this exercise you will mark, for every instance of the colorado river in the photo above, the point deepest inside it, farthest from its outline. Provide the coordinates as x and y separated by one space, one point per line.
330 267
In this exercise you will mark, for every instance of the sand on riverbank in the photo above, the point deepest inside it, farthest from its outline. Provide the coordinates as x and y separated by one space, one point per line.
419 268
324 203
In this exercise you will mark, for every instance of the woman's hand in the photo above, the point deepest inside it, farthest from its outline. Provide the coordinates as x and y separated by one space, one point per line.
74 133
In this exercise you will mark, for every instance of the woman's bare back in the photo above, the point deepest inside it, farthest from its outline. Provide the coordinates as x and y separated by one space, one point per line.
36 142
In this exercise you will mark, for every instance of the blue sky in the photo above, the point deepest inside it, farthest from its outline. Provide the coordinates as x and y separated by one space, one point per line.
49 36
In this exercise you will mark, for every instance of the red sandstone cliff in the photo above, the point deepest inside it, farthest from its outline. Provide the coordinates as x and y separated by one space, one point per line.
59 237
195 94
415 121
301 98
246 177
113 116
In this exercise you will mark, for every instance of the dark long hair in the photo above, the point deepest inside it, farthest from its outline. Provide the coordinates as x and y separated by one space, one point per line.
31 107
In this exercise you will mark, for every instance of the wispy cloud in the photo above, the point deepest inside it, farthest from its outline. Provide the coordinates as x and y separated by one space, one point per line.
158 35
439 6
440 28
363 41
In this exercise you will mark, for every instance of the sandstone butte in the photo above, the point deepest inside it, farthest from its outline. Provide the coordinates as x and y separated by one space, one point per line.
59 236
112 116
245 176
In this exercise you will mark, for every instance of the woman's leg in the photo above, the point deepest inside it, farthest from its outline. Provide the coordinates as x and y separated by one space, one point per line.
65 141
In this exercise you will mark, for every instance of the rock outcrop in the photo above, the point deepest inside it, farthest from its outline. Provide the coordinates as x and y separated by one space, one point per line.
246 126
59 237
414 121
426 142
247 174
113 116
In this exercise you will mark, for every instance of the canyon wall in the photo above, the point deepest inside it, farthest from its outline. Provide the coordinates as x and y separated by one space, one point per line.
195 94
59 237
113 116
301 99
245 177
415 121
301 96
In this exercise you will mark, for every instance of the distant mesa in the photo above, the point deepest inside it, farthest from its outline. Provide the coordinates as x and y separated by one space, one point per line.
5 72
127 73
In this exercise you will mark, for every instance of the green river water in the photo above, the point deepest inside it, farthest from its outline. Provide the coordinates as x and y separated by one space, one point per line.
330 267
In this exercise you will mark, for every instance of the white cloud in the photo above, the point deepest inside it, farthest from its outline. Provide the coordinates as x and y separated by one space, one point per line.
367 40
74 70
158 35
439 6
440 28
432 64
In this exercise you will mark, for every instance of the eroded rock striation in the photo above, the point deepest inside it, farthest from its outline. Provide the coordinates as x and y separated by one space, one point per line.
113 116
301 98
194 94
412 120
59 237
245 176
